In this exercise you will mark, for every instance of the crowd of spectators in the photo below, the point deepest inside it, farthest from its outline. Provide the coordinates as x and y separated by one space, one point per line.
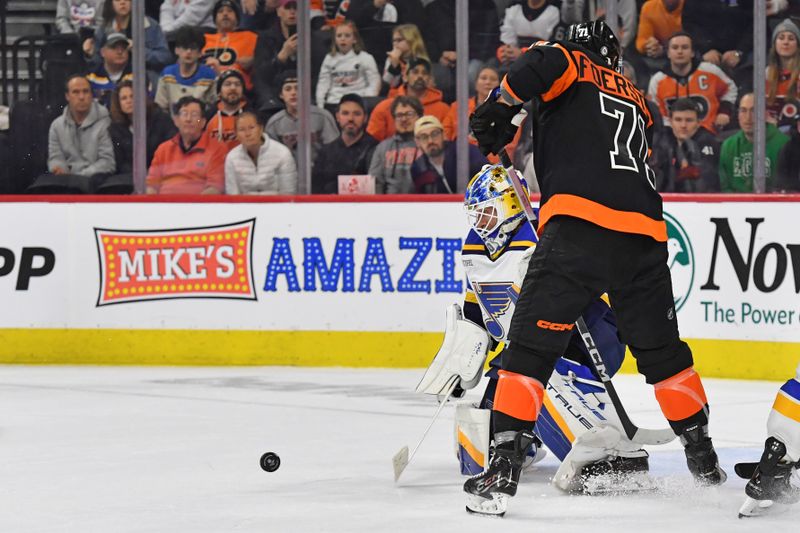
222 112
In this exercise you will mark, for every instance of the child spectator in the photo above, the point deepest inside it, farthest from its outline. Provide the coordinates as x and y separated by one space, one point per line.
191 162
782 75
736 156
187 77
72 15
259 165
117 19
407 44
658 21
176 14
227 48
419 84
283 125
159 127
703 82
346 69
524 24
393 157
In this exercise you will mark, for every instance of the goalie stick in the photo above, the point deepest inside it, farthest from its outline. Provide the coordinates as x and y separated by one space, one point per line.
402 458
633 432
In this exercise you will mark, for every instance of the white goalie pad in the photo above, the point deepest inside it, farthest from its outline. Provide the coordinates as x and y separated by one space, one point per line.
472 437
461 356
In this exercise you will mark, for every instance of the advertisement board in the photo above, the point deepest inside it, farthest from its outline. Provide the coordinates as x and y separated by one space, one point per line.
346 283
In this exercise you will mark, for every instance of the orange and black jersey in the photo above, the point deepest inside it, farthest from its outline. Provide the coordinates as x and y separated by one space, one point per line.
592 139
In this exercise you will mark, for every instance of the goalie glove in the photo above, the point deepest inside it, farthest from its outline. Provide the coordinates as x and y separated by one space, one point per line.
461 356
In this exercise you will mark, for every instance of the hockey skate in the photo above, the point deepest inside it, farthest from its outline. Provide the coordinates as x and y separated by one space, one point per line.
489 491
701 458
770 483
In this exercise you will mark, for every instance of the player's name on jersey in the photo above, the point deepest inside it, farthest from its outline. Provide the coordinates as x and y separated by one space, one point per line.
371 269
609 81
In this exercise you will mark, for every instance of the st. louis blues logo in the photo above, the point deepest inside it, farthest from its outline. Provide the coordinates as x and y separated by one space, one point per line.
496 298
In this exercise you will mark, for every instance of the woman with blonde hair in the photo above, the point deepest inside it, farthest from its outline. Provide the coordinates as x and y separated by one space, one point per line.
407 43
783 67
346 69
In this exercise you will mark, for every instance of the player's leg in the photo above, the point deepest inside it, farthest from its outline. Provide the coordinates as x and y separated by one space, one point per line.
644 306
551 300
771 479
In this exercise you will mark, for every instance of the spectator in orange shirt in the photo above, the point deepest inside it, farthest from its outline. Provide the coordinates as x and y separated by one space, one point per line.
222 118
191 162
658 20
228 48
419 84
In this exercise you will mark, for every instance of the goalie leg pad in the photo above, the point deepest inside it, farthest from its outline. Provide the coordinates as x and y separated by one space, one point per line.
472 437
784 419
461 356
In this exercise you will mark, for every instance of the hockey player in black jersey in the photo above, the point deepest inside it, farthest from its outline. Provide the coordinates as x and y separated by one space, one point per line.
601 229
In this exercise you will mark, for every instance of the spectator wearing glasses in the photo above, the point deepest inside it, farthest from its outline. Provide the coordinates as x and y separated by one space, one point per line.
435 172
191 162
392 159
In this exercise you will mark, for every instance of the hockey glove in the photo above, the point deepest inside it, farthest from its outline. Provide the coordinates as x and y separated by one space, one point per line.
491 124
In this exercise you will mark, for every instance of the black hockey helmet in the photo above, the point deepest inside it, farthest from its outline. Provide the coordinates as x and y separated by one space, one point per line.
598 37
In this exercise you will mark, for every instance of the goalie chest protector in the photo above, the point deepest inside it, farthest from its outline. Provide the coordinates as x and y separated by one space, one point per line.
495 285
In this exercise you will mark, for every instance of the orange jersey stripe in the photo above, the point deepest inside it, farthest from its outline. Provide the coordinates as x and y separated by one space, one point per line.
613 219
681 396
564 81
518 396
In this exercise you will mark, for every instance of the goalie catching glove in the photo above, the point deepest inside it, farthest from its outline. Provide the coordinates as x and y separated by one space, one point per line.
461 356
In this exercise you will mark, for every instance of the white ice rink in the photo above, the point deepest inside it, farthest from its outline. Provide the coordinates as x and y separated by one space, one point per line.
102 449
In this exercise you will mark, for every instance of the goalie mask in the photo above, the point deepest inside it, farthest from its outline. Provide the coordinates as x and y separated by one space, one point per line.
493 209
598 37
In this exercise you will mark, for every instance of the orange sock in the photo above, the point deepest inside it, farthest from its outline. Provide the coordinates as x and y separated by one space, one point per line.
681 396
518 396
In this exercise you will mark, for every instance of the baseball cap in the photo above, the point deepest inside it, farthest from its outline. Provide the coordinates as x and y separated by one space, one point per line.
287 76
115 38
233 4
355 98
416 61
426 123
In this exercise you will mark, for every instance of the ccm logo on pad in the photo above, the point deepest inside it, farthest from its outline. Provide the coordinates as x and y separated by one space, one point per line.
554 326
208 262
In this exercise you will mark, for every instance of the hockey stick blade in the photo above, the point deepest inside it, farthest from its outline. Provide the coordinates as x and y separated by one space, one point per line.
402 458
745 470
633 432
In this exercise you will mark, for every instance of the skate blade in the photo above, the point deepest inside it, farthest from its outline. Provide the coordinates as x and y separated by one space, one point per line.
751 508
618 484
495 506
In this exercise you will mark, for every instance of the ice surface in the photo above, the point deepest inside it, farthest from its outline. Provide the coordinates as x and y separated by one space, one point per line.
118 449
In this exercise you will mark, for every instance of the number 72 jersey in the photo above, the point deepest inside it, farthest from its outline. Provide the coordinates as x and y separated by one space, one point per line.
592 139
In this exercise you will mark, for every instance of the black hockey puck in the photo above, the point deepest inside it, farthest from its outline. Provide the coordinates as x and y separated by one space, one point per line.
270 462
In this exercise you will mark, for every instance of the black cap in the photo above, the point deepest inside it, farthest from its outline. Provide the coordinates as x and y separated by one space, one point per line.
285 77
233 4
417 61
355 98
231 73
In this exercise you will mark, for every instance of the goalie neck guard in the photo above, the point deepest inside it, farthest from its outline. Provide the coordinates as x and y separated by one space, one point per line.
598 37
492 207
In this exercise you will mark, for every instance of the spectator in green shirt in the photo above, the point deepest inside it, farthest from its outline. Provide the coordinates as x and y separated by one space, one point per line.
736 156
